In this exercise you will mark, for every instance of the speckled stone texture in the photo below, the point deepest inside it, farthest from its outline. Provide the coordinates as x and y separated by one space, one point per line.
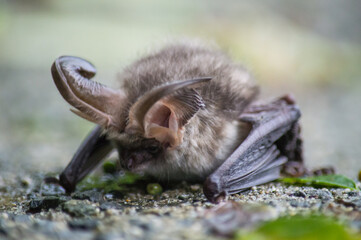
30 209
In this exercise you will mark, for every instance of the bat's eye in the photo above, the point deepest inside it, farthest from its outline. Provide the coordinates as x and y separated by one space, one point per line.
153 149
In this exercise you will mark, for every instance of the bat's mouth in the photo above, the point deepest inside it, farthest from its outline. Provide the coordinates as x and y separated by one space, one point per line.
138 167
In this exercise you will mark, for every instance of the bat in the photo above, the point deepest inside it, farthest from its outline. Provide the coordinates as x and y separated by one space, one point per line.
184 112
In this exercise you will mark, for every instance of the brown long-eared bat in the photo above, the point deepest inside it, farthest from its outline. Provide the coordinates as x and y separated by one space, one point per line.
185 112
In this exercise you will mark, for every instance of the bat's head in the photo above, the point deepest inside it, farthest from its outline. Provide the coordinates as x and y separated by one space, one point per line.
137 153
152 125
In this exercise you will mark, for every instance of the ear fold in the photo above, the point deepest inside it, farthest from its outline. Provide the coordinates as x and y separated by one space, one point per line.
166 119
91 100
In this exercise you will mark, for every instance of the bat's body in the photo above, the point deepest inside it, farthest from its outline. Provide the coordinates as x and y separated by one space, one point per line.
173 128
214 132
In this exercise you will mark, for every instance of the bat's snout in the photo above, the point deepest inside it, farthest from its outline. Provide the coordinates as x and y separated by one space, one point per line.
131 163
136 162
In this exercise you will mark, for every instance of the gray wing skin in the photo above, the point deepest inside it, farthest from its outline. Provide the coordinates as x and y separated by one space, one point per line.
260 157
94 148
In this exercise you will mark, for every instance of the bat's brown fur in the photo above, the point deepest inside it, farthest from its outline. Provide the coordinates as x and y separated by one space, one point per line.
213 132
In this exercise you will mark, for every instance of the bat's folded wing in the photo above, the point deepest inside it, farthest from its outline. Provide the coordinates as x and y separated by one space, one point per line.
259 159
91 152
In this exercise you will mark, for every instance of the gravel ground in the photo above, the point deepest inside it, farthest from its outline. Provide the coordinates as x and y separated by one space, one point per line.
30 209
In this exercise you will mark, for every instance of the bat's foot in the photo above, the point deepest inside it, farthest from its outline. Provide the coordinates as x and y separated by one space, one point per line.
323 171
273 140
294 169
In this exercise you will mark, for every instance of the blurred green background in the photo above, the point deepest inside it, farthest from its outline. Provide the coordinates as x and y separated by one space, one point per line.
309 48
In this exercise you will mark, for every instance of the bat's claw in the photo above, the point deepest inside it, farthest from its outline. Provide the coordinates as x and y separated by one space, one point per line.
213 191
289 98
68 185
51 180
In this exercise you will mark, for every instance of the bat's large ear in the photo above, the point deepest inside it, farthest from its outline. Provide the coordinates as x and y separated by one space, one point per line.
91 100
163 112
166 119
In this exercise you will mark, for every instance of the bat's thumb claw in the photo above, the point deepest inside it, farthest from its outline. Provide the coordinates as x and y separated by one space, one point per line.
53 180
289 98
66 183
61 182
213 191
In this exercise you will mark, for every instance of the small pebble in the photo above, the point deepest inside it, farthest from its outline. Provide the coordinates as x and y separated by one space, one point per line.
195 188
83 224
26 181
154 189
109 167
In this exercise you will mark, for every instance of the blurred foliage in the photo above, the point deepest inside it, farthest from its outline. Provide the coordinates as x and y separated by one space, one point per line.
311 48
300 227
281 40
109 183
328 181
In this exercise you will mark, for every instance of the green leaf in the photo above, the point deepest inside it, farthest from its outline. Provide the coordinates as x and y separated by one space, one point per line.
328 181
299 227
110 183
